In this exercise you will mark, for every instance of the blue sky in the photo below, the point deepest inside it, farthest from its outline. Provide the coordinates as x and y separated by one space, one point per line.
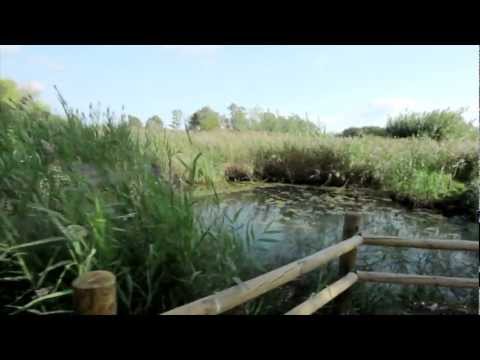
338 86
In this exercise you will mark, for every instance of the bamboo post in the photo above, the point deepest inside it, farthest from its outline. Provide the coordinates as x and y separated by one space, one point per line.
94 293
347 261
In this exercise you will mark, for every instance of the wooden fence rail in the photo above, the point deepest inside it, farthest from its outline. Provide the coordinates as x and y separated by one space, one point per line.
413 279
462 245
95 292
239 294
325 296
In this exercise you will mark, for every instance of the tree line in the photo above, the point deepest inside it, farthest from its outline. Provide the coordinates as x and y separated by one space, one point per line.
238 119
438 124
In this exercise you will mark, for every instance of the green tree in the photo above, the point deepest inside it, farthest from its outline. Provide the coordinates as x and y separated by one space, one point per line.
155 122
351 132
267 121
205 119
176 119
225 122
12 95
9 91
238 117
134 121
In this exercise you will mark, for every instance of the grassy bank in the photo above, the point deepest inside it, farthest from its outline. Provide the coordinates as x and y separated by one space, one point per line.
417 171
78 197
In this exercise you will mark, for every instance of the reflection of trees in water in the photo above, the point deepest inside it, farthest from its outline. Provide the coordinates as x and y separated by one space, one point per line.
301 237
423 262
309 223
417 261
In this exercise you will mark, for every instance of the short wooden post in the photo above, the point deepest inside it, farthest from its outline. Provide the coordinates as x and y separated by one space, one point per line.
347 261
94 293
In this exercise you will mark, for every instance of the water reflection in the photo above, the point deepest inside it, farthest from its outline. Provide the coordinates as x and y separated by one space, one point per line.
290 222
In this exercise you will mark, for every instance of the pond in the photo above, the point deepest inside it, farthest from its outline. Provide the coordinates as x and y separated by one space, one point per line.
286 222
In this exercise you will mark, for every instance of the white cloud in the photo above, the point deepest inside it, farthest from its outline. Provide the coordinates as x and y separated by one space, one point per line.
471 113
33 87
335 122
48 63
395 105
380 109
10 49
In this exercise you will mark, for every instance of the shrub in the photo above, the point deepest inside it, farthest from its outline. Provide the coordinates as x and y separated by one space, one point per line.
438 125
238 172
362 131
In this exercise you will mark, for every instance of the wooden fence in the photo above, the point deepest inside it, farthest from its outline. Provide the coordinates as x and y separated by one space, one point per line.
95 292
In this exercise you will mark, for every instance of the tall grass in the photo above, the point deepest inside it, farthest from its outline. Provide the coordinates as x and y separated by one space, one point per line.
79 197
421 170
76 197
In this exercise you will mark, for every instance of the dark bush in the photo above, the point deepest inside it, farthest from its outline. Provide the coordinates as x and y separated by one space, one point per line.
363 131
238 172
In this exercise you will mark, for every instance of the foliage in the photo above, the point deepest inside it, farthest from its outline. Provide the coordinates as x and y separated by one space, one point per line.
78 197
114 196
238 118
420 169
176 119
205 119
438 125
255 120
155 122
13 96
291 124
363 131
134 121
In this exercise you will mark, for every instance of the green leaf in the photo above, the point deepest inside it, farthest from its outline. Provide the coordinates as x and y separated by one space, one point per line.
14 278
38 242
52 213
43 298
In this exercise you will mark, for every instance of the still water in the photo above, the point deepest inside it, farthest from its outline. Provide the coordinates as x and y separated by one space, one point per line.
285 223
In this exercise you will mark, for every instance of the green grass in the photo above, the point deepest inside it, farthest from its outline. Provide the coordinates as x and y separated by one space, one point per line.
421 170
77 197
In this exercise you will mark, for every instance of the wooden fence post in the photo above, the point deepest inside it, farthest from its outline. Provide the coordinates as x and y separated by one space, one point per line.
94 293
347 261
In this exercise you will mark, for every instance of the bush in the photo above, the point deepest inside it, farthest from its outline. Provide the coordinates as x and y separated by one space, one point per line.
438 125
238 172
363 131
